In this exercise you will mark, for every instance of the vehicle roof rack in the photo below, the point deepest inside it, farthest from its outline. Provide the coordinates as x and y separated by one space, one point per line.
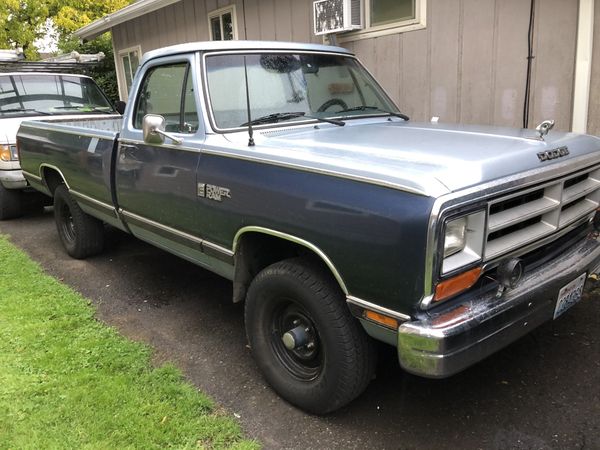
11 54
73 62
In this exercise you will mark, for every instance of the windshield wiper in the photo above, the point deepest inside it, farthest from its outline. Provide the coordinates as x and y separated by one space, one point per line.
273 118
375 108
41 113
85 109
278 117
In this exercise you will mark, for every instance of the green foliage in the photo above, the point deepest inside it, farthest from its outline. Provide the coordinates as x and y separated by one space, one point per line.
67 381
22 22
104 73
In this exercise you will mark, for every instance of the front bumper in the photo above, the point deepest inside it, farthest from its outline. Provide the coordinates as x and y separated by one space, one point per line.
13 179
446 343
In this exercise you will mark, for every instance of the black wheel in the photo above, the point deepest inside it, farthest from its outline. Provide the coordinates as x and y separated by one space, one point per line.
10 203
81 234
332 102
305 341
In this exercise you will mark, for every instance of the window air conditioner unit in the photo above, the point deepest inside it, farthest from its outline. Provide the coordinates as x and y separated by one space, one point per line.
335 16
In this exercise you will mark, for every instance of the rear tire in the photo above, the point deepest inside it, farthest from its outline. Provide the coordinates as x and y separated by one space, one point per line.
336 360
81 234
10 203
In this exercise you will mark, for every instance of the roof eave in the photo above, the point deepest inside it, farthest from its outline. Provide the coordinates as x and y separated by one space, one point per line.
130 12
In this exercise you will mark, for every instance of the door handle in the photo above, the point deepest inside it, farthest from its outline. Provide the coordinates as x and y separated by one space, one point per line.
127 151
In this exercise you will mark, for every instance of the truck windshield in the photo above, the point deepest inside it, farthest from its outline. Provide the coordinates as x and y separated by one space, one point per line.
291 87
40 94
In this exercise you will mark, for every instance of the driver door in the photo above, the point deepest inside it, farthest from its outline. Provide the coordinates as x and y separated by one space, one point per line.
156 183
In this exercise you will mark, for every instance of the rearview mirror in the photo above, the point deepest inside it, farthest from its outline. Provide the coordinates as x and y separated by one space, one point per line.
120 106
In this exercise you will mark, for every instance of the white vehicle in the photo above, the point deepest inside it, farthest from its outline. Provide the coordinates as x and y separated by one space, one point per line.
33 95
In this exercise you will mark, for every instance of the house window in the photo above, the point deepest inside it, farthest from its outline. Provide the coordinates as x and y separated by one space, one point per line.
384 12
382 17
130 60
222 24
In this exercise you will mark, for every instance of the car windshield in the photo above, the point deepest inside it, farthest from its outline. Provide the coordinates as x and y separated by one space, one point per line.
291 87
39 94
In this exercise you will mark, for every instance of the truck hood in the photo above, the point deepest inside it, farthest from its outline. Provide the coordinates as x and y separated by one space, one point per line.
431 159
10 125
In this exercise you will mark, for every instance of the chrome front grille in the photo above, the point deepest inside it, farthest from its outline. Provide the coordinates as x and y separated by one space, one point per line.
523 218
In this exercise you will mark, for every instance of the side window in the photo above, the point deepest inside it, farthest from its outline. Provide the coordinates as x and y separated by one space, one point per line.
168 91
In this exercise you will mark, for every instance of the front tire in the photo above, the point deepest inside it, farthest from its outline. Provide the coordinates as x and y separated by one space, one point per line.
81 234
305 341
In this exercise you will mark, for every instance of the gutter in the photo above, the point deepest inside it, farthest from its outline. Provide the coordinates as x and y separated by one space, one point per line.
583 66
130 12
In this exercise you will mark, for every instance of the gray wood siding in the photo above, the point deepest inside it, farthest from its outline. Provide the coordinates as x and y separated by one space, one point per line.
186 21
468 65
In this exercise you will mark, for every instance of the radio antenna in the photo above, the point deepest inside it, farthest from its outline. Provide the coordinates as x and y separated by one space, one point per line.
250 132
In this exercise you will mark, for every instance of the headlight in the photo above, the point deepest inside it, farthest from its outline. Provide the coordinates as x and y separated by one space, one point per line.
455 238
8 153
463 241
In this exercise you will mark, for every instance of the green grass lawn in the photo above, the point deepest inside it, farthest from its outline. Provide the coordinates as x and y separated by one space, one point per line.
68 381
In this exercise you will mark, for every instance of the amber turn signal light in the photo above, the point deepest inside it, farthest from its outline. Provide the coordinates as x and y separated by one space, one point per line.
457 284
386 321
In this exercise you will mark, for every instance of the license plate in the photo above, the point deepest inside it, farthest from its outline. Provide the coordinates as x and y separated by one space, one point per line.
569 295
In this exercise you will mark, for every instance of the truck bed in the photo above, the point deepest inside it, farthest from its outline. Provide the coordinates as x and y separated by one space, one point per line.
107 127
82 149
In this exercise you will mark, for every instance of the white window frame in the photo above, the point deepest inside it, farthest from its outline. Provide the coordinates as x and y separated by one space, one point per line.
219 13
121 78
418 23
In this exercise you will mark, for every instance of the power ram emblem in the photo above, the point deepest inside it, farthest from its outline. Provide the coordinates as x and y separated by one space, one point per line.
213 192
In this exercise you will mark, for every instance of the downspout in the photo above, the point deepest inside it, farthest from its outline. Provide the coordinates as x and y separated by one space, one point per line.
583 66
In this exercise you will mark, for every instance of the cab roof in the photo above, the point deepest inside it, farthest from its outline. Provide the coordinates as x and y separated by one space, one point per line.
53 74
211 46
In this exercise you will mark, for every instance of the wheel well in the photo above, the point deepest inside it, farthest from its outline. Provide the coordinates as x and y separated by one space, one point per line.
52 179
256 250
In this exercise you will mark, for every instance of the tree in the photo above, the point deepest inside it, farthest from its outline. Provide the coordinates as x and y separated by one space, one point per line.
22 22
70 15
104 73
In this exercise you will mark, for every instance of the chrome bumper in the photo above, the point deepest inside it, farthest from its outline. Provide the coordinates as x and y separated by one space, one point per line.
13 179
446 343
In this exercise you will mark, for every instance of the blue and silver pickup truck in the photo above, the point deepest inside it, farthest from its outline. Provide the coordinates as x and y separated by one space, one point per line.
288 170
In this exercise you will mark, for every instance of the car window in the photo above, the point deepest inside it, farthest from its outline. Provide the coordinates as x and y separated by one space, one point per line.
162 92
321 85
34 94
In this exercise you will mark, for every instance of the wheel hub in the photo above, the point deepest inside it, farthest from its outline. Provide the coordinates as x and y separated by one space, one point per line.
296 341
296 337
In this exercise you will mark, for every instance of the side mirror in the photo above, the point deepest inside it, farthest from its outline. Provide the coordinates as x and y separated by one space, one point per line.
150 124
153 128
120 106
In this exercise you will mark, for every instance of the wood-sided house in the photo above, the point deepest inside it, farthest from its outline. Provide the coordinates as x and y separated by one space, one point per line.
470 61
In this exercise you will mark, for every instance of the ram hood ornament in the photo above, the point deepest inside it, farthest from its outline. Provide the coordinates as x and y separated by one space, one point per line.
544 127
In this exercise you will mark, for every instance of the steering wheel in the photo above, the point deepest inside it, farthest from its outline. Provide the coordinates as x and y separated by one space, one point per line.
332 102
